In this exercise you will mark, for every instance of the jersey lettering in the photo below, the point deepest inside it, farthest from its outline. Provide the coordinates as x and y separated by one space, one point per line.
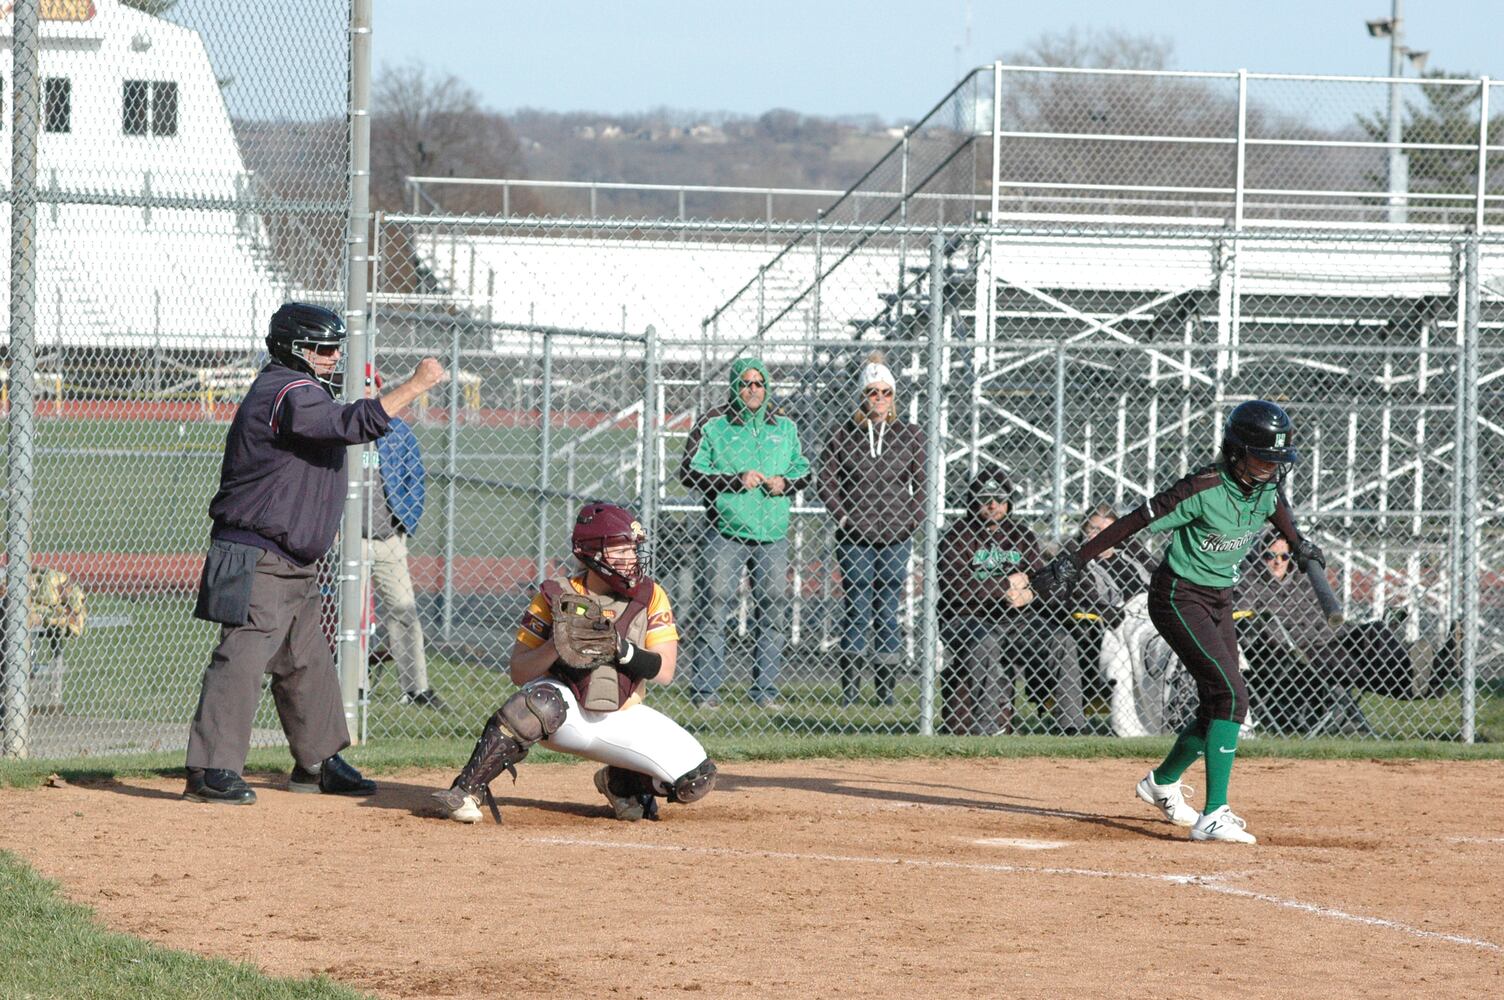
1217 542
989 563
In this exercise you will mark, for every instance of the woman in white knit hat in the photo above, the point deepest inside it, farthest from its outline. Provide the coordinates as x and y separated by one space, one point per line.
872 480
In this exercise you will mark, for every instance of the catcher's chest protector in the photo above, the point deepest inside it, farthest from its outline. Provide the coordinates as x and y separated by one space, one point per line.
605 689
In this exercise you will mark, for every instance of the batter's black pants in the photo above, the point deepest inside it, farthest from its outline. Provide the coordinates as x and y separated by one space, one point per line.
1197 623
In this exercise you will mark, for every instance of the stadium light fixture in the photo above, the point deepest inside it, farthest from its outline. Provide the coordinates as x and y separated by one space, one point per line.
1417 59
1381 28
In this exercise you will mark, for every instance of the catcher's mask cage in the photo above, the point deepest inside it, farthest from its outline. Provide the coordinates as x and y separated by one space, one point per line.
1262 430
600 526
297 326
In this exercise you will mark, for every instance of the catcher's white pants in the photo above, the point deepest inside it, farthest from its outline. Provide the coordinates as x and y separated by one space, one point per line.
399 610
1122 648
638 738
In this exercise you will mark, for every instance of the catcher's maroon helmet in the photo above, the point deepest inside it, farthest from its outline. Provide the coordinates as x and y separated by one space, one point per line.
600 526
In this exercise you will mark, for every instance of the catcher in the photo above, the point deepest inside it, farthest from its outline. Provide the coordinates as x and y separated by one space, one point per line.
584 653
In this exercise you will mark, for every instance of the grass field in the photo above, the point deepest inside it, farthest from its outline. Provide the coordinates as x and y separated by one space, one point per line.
150 670
144 486
50 948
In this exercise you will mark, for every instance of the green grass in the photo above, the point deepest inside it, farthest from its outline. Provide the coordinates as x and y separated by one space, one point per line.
132 486
52 948
150 670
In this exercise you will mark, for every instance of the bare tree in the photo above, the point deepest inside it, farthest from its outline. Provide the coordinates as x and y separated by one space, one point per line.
427 124
1111 49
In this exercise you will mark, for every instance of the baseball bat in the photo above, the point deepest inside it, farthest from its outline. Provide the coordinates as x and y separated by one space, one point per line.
1330 606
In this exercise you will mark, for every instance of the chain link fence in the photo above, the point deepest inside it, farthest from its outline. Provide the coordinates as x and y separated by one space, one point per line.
1098 371
1068 279
187 174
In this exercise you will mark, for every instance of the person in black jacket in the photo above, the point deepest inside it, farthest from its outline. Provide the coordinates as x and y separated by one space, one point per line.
281 493
872 480
985 624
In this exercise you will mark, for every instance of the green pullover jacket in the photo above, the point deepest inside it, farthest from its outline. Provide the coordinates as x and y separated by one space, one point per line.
734 439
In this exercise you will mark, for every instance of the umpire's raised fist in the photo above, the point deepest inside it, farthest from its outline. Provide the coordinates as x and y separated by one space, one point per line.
430 373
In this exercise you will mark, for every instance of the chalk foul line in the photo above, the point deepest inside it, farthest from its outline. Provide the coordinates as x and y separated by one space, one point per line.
1211 882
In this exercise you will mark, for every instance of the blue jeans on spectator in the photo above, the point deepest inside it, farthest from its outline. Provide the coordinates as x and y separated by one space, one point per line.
767 565
871 583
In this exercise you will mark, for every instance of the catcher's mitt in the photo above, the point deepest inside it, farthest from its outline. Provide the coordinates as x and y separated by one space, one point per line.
582 635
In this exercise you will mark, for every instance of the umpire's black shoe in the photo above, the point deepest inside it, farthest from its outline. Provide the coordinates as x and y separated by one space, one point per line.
331 776
212 784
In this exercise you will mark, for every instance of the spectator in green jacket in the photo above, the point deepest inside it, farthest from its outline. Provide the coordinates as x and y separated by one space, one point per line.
745 461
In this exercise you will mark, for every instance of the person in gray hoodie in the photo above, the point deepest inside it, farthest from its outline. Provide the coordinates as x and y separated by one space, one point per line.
872 479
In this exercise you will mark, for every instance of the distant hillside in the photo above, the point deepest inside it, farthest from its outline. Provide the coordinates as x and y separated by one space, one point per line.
778 149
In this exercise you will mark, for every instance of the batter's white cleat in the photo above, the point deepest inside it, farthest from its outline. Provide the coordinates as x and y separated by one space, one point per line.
627 807
1222 824
461 807
1168 799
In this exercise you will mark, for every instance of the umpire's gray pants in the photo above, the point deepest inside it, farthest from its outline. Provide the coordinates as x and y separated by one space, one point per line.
281 637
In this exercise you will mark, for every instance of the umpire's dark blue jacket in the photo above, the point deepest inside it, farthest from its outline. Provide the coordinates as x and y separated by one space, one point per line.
282 482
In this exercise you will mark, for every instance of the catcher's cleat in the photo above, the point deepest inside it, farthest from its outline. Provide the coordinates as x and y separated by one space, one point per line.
1221 824
632 807
459 805
1168 799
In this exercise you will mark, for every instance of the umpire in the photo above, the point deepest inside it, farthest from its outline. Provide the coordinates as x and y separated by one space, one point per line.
281 492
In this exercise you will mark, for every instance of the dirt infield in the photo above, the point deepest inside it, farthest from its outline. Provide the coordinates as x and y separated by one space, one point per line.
995 878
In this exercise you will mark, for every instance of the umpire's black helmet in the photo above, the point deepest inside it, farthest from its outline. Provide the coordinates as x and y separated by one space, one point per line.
299 325
1263 430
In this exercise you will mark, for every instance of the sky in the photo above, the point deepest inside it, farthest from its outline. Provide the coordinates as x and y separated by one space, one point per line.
880 57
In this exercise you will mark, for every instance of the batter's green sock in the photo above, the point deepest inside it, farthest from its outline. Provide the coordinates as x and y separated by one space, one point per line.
1221 748
1188 746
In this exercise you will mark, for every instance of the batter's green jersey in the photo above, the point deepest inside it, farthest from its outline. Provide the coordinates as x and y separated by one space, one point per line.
1212 522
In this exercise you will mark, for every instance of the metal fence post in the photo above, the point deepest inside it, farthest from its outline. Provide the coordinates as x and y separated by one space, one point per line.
815 294
351 650
1471 564
452 448
1482 188
651 427
1057 495
929 646
19 472
545 453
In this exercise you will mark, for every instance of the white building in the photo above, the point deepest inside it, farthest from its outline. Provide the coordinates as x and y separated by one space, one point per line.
132 117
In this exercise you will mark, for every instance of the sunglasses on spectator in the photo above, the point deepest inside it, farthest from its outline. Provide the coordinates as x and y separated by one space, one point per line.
877 391
1276 557
752 384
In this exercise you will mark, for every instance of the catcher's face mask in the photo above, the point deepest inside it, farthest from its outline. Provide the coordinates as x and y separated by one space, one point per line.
618 561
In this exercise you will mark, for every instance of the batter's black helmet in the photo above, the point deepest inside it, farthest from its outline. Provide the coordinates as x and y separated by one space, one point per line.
298 325
1263 430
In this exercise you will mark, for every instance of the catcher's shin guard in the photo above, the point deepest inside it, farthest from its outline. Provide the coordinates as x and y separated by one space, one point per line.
534 713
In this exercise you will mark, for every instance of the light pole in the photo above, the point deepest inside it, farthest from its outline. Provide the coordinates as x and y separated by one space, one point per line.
1399 163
